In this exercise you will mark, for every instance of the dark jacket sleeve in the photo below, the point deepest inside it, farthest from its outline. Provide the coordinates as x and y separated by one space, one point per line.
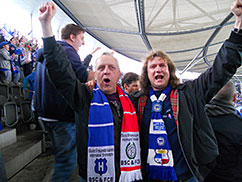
87 60
62 75
224 67
40 55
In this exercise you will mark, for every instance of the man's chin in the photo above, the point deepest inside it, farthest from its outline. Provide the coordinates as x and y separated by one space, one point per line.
107 90
159 87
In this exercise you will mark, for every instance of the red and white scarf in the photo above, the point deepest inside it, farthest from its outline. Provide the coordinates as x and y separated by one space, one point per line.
101 159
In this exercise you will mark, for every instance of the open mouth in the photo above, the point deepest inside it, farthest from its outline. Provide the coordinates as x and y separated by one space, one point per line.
106 80
159 77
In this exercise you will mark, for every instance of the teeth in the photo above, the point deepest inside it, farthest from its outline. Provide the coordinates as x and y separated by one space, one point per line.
159 77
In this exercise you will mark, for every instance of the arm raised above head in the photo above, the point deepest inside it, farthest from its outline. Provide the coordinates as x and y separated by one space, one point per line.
46 12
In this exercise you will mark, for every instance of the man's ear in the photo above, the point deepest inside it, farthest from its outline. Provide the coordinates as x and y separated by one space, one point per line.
72 37
125 86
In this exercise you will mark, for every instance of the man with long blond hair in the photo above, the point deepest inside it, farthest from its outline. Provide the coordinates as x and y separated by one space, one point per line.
177 140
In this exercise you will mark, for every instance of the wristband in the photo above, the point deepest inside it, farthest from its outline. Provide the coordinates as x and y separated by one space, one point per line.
236 30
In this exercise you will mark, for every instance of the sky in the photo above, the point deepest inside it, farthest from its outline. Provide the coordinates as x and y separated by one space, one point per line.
20 19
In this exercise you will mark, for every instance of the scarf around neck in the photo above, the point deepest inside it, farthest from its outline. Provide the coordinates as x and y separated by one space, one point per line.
160 163
101 159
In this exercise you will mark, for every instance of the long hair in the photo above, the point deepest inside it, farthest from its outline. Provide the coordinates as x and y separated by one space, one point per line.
144 80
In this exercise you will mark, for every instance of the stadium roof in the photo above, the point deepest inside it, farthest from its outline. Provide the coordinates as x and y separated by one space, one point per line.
191 32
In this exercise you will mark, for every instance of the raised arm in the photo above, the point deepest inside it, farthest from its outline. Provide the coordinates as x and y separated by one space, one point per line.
46 12
225 65
58 66
88 58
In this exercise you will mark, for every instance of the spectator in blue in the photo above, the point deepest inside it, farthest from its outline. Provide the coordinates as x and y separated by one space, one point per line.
22 59
28 84
5 61
54 110
26 62
33 58
15 71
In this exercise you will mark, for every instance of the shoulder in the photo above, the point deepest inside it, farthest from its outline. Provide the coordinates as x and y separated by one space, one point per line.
66 46
186 87
71 53
134 97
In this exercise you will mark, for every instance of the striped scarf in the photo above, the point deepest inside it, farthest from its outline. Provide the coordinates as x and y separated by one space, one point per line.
101 160
160 159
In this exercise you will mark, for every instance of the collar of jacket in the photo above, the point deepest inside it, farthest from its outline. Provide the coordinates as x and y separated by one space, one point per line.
217 107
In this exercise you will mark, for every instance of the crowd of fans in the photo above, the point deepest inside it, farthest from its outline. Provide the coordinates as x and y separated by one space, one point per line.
17 57
238 100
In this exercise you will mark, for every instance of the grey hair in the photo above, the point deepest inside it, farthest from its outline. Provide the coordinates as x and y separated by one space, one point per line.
107 54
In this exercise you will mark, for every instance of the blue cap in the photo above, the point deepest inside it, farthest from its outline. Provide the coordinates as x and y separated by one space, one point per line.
2 44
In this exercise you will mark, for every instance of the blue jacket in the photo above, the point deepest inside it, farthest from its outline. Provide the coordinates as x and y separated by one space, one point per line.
72 55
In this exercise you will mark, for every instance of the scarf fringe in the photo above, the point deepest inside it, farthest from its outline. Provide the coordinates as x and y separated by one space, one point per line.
130 176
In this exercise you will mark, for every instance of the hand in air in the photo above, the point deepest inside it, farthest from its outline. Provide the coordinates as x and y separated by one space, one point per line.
46 12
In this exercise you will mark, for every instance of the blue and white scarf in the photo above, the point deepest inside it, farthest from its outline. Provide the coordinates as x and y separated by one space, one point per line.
101 159
160 159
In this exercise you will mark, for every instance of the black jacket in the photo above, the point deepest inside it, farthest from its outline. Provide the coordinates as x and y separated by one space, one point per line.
227 125
228 130
78 97
195 132
48 101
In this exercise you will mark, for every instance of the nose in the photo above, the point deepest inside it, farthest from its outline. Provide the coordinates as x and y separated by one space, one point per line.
83 42
106 70
158 68
136 88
